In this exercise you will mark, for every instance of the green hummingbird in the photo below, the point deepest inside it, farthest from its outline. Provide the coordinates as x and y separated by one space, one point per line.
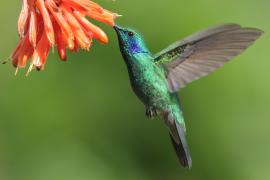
156 78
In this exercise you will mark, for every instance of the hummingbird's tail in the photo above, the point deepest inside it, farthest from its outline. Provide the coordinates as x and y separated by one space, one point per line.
178 138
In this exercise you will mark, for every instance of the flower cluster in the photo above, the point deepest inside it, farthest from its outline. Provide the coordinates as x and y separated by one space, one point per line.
43 24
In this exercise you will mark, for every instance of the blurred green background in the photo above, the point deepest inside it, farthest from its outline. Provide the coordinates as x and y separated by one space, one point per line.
80 120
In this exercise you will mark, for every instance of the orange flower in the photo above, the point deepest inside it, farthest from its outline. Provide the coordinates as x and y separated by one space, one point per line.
63 23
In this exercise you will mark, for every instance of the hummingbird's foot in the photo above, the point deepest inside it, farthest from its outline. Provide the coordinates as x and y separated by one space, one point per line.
151 112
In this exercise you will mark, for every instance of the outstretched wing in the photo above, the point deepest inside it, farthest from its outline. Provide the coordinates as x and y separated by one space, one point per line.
203 52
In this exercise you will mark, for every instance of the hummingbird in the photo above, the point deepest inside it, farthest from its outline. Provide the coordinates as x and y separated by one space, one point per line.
157 78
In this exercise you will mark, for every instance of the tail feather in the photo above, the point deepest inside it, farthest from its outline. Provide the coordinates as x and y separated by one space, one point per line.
180 145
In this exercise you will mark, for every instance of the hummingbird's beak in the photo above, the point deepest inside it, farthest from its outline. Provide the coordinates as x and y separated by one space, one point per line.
117 28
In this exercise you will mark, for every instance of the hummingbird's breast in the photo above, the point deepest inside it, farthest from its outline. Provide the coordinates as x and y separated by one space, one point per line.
148 81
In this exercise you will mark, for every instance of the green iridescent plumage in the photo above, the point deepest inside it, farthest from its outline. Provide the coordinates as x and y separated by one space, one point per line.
155 79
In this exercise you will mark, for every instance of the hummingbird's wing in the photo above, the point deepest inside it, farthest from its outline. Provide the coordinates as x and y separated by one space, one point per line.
203 52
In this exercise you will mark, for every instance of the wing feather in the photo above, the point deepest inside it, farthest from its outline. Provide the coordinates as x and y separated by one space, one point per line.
201 53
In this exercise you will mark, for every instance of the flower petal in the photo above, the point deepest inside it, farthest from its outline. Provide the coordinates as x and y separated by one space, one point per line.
76 46
22 53
60 41
60 19
16 52
41 51
105 17
23 18
33 29
83 41
85 5
47 21
97 32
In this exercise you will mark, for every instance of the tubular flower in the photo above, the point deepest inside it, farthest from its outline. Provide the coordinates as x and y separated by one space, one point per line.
63 23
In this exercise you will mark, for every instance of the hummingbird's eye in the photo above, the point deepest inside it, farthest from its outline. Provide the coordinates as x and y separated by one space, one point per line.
130 34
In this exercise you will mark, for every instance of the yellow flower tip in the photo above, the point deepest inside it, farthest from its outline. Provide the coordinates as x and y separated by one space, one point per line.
29 69
117 15
16 71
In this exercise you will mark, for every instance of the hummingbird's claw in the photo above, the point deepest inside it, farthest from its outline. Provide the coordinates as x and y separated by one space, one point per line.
151 112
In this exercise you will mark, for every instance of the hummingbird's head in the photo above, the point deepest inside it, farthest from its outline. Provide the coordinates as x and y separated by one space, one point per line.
130 41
